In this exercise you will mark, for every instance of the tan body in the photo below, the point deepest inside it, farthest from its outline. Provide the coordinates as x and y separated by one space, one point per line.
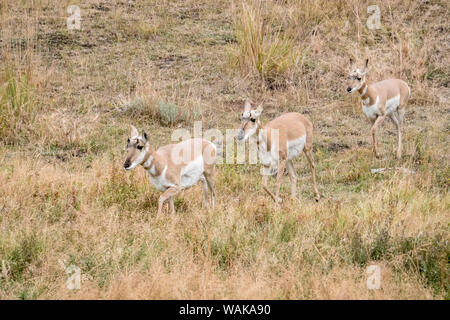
175 167
382 99
279 142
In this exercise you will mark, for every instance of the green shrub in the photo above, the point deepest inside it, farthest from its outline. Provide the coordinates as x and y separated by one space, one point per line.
25 253
169 112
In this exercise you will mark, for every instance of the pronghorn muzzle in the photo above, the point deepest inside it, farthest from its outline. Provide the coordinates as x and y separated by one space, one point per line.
127 164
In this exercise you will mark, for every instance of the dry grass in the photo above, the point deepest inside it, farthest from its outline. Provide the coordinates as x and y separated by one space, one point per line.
262 47
64 198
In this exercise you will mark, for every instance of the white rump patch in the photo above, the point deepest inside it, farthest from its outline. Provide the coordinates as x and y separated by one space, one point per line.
191 173
295 147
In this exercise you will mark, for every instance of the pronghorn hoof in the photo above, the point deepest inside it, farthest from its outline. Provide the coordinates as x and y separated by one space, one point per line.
317 198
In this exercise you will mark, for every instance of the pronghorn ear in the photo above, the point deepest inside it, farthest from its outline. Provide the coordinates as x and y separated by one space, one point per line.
367 64
247 106
144 136
134 132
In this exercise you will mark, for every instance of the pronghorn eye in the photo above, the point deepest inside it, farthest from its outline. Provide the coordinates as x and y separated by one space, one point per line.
358 78
140 147
128 141
252 120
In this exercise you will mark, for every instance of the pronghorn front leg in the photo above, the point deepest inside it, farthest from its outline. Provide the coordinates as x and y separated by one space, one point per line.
310 157
374 134
169 193
266 188
280 173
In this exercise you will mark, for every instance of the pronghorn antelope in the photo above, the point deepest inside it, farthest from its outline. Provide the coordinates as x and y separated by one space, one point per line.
279 142
381 99
174 167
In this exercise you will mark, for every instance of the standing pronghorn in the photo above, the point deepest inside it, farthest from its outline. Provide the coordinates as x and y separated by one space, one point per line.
381 99
174 167
279 142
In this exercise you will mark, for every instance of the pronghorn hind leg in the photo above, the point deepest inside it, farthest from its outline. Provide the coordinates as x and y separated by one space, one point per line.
401 115
395 119
205 192
171 205
310 157
210 181
293 178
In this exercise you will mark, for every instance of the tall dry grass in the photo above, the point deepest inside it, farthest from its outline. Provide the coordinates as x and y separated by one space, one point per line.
262 46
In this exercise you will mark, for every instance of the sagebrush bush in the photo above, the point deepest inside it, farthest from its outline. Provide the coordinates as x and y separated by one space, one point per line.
169 112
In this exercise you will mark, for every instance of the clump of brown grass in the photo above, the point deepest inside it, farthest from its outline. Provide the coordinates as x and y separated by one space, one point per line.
18 107
263 47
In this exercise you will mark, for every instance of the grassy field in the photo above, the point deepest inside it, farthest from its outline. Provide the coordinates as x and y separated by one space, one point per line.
68 97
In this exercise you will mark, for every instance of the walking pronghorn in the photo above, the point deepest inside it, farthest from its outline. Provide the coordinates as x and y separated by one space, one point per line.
174 167
279 142
381 99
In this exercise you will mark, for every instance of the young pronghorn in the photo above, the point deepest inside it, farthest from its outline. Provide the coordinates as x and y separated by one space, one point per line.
174 167
381 99
279 142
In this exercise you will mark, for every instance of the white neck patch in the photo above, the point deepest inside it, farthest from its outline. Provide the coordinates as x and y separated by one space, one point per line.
364 91
148 162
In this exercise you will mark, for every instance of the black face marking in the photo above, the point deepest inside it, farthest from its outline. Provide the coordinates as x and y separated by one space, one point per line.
252 120
140 147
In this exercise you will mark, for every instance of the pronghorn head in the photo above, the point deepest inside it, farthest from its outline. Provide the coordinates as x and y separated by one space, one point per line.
249 121
357 78
137 146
